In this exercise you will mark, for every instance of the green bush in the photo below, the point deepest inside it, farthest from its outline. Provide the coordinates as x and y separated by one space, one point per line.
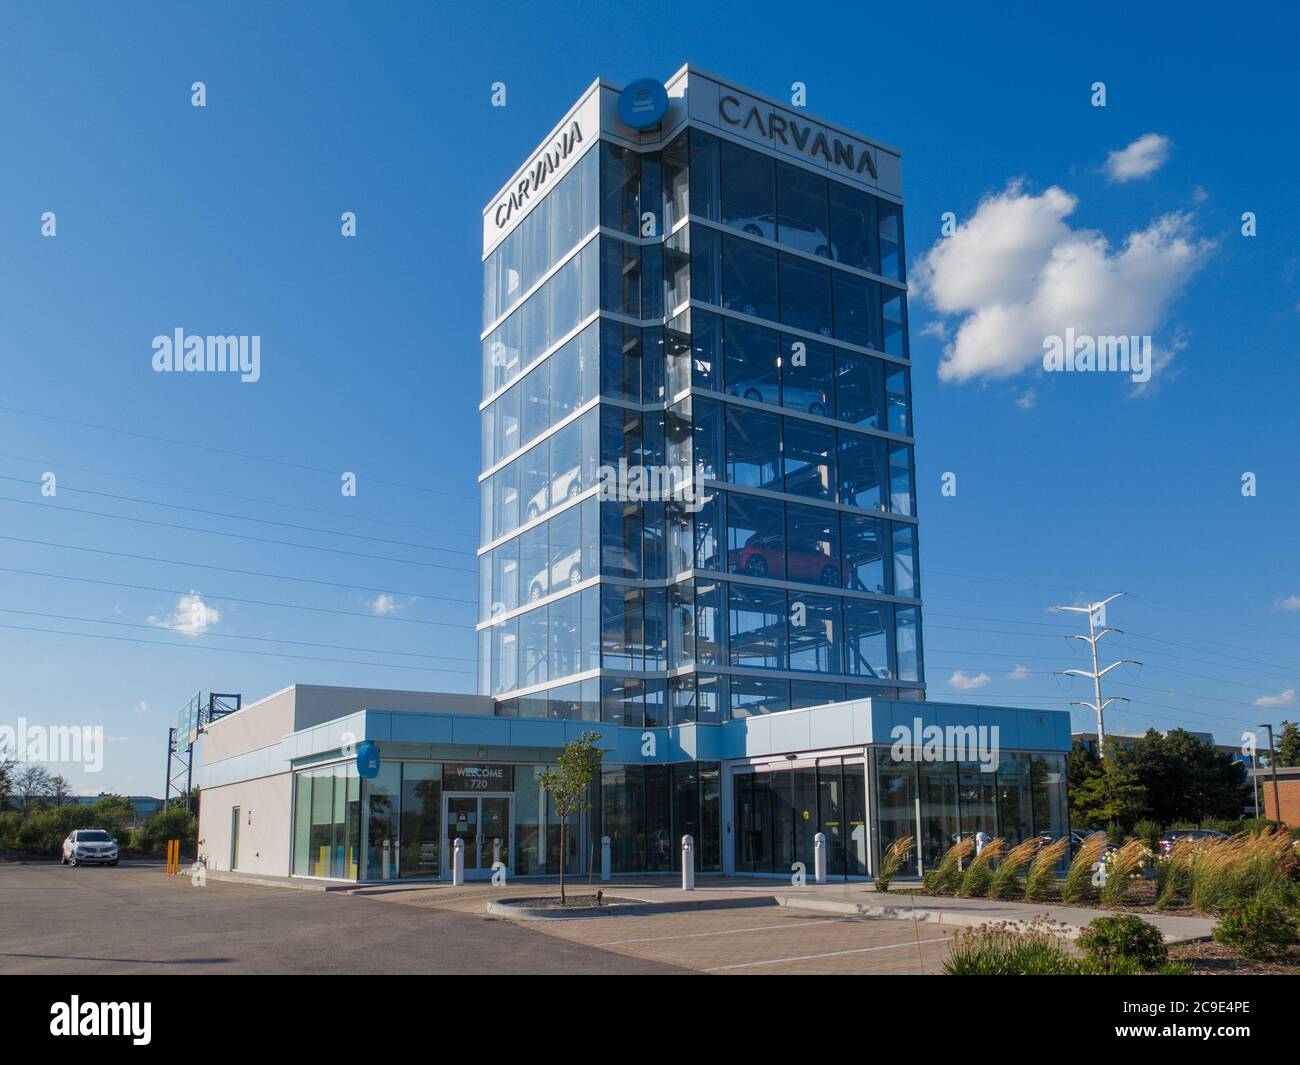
1260 928
42 830
1078 885
1038 949
1149 833
947 878
1174 968
1107 939
175 822
1120 966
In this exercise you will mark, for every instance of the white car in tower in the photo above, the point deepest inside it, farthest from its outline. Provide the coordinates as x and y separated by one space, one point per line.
89 845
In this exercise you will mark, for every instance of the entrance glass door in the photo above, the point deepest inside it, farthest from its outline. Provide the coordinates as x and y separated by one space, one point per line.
485 824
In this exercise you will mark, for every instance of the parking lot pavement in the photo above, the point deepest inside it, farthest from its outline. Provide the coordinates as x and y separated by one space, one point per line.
768 941
127 919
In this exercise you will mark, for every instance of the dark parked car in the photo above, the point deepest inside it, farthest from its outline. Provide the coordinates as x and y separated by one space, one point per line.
1171 837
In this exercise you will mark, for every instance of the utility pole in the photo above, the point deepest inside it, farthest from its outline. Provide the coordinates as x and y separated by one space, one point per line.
1094 612
1272 762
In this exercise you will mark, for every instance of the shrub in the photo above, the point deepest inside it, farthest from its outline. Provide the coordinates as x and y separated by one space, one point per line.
895 855
1123 936
1042 873
1036 949
1174 968
1243 867
1259 928
1120 966
979 874
1173 872
945 879
1078 886
1004 882
1149 833
1121 867
173 822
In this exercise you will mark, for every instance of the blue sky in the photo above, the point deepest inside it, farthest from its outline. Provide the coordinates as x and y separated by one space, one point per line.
226 220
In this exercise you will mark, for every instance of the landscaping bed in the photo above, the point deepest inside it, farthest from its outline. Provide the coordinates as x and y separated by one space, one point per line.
1215 959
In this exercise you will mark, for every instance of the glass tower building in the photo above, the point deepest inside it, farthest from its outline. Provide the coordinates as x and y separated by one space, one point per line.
699 542
697 481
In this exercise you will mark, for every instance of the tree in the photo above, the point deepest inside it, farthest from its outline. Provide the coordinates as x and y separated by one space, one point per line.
1110 794
33 782
8 770
1288 744
578 765
59 789
1187 779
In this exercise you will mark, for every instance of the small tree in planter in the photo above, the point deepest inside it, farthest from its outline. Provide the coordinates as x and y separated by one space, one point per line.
568 784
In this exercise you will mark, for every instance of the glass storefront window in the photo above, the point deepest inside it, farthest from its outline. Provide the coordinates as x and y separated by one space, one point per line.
382 798
896 806
421 819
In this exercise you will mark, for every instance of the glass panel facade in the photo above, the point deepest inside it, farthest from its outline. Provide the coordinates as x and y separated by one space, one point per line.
937 803
780 811
743 318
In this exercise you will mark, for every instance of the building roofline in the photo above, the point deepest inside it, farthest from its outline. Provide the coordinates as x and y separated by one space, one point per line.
685 70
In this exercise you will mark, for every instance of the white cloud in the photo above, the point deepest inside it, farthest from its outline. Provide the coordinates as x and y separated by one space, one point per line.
143 708
192 616
1027 400
1019 673
1291 602
1015 272
963 682
384 604
1282 698
1140 159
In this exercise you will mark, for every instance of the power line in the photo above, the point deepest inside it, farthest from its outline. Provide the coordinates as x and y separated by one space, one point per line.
229 569
235 536
248 602
227 453
244 517
49 463
230 650
237 636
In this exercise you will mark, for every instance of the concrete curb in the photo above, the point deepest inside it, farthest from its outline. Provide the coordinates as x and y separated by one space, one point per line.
936 915
271 881
504 908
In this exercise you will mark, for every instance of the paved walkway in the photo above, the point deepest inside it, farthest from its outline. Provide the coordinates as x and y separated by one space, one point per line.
852 899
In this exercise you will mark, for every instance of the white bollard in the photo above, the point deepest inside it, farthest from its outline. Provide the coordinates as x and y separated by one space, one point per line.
819 857
688 863
604 858
457 862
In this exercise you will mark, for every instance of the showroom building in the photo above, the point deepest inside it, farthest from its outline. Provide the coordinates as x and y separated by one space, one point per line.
698 537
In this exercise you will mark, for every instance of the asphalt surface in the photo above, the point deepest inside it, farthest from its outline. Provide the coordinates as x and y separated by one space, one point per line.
124 919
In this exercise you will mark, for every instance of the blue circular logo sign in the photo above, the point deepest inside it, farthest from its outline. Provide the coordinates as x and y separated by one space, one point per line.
368 760
643 103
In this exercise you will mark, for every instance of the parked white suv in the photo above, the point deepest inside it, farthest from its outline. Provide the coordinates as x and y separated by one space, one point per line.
89 845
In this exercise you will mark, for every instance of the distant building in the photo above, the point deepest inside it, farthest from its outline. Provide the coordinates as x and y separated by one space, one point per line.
142 806
1288 793
1126 740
